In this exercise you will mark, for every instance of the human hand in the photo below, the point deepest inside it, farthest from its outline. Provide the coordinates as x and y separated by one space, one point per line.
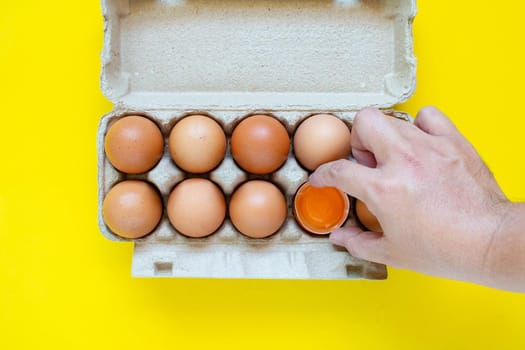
440 208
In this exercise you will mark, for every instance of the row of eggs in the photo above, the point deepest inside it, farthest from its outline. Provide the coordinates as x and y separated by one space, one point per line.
197 208
197 144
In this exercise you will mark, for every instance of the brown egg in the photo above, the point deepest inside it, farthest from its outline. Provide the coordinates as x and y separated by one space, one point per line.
132 209
258 209
134 144
320 139
260 144
366 218
197 144
196 207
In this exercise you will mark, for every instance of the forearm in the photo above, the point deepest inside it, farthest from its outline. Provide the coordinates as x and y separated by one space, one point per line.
504 265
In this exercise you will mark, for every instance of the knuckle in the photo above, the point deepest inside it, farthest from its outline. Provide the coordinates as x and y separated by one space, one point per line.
411 157
405 147
336 169
453 154
362 117
447 147
385 186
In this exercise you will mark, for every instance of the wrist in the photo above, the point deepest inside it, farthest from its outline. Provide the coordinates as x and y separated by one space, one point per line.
504 260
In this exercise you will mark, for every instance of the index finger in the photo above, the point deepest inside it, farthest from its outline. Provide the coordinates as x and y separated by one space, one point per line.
351 178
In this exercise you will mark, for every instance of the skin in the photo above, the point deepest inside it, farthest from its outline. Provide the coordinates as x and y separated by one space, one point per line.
441 210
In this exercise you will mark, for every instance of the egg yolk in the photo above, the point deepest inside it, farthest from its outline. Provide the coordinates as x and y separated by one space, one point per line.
320 210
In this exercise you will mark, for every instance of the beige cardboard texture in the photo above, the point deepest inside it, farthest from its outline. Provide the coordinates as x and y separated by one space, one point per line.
258 54
166 59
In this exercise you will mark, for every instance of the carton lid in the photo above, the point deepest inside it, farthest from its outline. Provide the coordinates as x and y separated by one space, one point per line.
260 54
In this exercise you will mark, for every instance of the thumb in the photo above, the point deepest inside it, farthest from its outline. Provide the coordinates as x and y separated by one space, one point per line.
361 244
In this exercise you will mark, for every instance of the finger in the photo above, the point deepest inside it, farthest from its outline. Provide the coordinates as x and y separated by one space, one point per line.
365 158
361 244
432 121
372 131
349 177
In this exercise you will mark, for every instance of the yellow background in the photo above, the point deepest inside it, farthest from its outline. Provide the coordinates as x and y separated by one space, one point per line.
62 285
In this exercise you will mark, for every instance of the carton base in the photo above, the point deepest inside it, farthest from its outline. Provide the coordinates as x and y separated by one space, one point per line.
284 261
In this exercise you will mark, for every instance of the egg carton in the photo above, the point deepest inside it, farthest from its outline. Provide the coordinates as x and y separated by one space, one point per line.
231 59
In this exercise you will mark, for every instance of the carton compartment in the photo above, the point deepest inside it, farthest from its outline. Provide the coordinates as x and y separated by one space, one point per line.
160 253
258 54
